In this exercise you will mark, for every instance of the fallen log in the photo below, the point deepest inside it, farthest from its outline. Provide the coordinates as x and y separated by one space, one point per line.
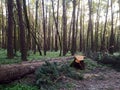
8 73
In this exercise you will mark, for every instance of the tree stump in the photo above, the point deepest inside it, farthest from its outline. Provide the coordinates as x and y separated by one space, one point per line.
78 62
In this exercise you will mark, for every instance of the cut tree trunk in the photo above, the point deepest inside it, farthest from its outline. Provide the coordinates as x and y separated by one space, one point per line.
8 73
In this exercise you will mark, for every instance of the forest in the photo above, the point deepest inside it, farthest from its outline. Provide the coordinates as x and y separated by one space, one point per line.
59 44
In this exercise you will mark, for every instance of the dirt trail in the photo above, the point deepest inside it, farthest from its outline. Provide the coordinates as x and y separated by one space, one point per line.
101 79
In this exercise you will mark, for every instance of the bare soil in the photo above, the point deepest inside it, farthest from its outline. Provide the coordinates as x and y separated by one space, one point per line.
99 79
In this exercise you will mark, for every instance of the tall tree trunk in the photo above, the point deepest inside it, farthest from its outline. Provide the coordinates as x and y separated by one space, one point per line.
56 25
57 28
10 29
52 41
70 32
73 49
81 29
118 37
76 34
64 29
6 24
29 31
27 24
90 27
46 22
49 32
15 34
112 39
116 32
44 28
97 27
104 32
36 24
22 32
2 28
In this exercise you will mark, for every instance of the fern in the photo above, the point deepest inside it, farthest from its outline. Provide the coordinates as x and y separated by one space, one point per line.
51 73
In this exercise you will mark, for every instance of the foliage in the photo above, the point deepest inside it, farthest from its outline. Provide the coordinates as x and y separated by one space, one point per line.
47 74
17 59
71 72
18 86
4 60
50 74
90 64
50 54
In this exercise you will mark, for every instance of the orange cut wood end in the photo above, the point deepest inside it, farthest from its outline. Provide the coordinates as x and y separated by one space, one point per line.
79 58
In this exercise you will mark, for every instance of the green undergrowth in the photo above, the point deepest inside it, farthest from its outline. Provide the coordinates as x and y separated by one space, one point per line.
50 74
90 64
4 60
53 76
31 56
18 86
50 54
21 86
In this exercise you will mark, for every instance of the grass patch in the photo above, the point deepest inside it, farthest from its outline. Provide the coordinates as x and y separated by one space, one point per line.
17 58
18 86
4 60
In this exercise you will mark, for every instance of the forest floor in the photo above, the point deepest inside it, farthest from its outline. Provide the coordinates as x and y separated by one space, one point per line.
98 78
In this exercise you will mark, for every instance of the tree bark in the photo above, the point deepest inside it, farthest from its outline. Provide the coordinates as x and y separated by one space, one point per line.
44 28
81 29
10 29
77 19
97 27
49 32
8 73
73 49
2 28
64 29
70 32
90 27
104 32
15 35
36 25
112 39
56 25
27 24
22 32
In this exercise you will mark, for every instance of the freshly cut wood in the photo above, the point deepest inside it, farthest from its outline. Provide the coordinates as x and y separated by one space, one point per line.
8 73
78 62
